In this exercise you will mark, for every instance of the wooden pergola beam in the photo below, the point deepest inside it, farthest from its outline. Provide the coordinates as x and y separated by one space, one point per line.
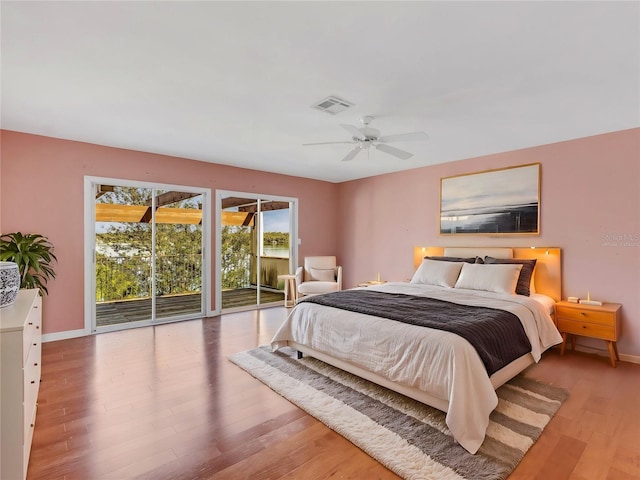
109 212
184 216
102 189
238 219
169 198
148 215
266 206
250 204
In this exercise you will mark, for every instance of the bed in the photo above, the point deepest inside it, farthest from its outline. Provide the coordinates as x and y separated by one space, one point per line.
432 364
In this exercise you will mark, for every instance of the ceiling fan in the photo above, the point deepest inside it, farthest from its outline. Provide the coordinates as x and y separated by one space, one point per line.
365 137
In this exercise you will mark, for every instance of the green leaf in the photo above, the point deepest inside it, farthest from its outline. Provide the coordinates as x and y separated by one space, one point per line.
34 256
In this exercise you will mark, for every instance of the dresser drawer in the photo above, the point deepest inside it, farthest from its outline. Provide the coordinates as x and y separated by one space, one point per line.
603 318
32 328
604 332
29 427
32 369
27 340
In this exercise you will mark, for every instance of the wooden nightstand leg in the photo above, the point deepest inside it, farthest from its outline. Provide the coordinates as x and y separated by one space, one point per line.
564 343
615 349
612 355
573 342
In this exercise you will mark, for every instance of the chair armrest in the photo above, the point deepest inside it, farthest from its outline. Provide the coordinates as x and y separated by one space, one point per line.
299 272
339 276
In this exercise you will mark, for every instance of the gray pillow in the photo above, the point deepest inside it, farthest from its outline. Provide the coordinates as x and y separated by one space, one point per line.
456 259
524 281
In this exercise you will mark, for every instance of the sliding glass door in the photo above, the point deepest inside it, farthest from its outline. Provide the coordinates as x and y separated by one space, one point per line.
178 254
257 236
147 254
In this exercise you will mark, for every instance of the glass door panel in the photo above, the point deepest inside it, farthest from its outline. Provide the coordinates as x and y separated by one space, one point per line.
238 252
123 253
274 247
178 253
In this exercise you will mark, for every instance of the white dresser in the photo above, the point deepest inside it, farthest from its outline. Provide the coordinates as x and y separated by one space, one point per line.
20 351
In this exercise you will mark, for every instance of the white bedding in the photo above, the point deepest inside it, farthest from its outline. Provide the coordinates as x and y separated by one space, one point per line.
438 362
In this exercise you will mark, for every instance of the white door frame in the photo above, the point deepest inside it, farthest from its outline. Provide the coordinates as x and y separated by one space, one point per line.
89 247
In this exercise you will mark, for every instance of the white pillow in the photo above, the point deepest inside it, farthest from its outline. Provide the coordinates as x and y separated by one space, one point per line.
323 274
499 278
434 272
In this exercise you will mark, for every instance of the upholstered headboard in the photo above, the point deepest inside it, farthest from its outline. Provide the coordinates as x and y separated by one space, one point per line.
547 274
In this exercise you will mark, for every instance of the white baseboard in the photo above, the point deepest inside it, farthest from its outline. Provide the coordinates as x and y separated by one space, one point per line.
52 337
629 358
605 353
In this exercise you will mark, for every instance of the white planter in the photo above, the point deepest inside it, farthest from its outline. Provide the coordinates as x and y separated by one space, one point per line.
9 283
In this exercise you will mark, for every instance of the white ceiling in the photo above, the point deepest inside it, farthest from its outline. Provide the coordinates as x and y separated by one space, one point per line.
233 82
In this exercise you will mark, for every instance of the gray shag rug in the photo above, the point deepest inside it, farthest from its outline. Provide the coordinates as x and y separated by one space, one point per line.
409 438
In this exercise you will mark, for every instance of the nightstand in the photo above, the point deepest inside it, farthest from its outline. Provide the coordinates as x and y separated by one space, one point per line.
595 321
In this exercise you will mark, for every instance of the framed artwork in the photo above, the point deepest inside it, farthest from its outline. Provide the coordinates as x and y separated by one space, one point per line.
493 202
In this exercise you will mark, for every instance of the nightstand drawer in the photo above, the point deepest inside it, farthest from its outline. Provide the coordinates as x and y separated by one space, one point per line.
584 315
604 332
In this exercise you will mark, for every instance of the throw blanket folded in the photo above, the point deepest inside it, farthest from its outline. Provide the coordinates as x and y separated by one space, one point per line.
497 336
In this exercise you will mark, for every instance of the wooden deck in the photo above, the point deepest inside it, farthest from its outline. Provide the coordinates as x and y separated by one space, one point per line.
243 297
114 313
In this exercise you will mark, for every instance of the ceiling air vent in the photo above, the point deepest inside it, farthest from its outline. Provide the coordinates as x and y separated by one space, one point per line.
333 105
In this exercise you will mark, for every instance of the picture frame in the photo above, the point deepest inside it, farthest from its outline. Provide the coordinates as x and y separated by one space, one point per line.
503 201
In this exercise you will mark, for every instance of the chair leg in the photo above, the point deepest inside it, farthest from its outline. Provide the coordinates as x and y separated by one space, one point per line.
294 291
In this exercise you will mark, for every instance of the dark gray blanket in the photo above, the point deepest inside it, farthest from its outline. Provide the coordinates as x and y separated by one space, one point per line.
497 336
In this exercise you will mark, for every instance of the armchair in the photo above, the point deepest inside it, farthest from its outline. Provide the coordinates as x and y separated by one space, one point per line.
318 275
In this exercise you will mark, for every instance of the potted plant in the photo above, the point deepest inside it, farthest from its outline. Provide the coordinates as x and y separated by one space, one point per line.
33 253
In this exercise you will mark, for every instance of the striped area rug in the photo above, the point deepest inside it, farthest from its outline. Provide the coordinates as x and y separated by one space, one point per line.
409 438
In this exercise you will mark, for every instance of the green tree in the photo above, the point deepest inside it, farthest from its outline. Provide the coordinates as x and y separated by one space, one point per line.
236 256
117 280
277 238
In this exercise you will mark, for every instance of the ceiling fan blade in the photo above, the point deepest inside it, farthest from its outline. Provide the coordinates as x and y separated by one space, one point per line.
352 153
396 152
354 131
326 143
404 137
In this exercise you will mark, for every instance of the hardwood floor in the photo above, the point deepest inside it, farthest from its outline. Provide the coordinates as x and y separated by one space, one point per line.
164 403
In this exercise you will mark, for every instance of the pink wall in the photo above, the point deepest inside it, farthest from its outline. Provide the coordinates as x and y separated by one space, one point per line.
42 191
590 191
590 202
